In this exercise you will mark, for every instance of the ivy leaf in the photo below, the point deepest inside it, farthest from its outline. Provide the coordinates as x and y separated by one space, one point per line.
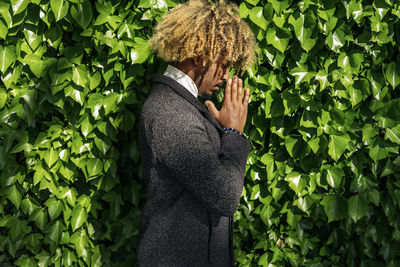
95 80
322 77
6 14
39 216
335 207
69 194
25 260
373 196
244 10
280 5
377 81
40 174
103 144
86 126
33 241
68 257
75 94
304 203
14 195
256 16
3 97
79 75
95 103
79 216
278 38
28 205
393 134
381 149
80 240
51 157
253 2
337 145
334 176
54 230
156 4
36 64
64 155
55 207
110 101
18 230
358 207
7 57
273 105
303 28
94 166
44 259
356 95
336 40
393 74
82 14
268 161
3 30
19 5
59 8
32 38
140 51
354 9
301 74
266 214
382 7
296 182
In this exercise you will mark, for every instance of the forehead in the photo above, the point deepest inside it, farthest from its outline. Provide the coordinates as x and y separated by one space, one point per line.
221 64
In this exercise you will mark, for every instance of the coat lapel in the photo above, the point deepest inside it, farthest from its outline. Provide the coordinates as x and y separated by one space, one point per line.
182 91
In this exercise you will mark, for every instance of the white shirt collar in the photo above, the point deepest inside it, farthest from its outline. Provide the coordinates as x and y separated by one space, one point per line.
182 78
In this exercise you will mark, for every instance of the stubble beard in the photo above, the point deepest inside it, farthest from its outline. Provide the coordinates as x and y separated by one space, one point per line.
205 96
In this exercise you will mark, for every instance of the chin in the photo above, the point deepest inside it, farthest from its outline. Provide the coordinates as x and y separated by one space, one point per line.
206 96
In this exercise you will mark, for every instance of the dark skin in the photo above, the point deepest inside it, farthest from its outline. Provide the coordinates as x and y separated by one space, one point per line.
233 112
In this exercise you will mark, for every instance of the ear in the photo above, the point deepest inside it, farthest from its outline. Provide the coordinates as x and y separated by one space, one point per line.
196 61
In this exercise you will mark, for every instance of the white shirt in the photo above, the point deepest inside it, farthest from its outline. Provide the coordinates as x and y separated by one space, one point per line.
183 79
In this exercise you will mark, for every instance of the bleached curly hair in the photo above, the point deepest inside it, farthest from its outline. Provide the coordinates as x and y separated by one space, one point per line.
214 32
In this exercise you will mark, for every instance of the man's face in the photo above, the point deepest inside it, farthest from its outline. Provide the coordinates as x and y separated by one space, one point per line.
213 79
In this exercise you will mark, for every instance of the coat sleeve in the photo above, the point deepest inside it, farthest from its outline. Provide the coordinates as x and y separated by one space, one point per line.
216 179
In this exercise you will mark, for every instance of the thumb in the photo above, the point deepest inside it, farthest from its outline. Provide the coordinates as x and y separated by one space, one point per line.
211 107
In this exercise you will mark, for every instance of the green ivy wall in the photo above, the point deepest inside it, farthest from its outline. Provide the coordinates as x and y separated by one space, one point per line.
321 185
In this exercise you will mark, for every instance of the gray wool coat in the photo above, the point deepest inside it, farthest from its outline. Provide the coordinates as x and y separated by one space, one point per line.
194 179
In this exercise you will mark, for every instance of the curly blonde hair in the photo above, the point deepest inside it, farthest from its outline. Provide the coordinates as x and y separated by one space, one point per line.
214 32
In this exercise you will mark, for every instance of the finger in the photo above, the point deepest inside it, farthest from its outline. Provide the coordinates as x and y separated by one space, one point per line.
234 89
211 107
240 90
227 96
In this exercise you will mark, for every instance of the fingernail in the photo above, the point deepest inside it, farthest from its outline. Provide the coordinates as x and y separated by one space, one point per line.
230 80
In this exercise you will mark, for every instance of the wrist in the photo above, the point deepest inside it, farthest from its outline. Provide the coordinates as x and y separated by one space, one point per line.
233 130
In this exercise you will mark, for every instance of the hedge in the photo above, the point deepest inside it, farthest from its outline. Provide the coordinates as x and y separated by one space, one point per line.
321 183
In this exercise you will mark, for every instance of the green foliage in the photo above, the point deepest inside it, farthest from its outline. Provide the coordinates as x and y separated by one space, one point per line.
321 184
72 84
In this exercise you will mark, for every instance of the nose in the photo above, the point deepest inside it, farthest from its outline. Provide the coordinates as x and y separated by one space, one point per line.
225 74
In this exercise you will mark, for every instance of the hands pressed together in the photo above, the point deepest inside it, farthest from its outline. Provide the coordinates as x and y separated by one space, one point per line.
233 113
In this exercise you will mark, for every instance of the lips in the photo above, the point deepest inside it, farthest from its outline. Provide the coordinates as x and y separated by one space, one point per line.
217 86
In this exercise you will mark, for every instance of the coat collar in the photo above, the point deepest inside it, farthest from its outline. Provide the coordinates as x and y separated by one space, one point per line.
182 78
182 91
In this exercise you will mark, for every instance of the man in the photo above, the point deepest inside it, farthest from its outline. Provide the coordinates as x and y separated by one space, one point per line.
194 159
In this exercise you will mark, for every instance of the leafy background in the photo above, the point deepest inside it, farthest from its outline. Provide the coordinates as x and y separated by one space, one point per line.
321 184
